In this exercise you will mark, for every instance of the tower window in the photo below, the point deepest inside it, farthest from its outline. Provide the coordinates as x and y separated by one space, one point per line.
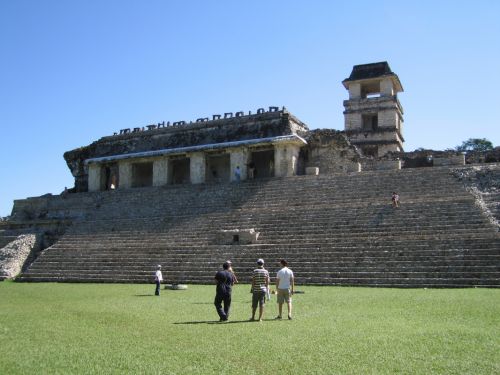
369 151
370 90
370 122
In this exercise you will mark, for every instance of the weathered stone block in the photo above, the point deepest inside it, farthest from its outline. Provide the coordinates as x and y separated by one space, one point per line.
449 160
381 165
237 236
353 167
312 171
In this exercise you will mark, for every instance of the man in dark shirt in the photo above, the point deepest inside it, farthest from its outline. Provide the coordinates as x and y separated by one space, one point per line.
225 281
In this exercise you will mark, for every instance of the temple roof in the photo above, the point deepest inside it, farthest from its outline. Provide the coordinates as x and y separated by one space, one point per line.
372 71
293 138
366 71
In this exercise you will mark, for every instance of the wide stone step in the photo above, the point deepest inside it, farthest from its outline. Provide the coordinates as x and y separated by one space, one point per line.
146 267
353 232
331 222
376 245
334 216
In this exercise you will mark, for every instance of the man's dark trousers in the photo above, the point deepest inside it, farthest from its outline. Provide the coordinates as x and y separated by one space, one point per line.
157 290
221 297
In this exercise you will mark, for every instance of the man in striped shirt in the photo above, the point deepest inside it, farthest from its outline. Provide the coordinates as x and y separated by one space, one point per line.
260 287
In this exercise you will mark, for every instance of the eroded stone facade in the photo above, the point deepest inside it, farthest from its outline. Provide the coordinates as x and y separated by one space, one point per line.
204 151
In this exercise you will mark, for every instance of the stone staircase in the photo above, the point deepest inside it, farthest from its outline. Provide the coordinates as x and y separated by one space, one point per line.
333 230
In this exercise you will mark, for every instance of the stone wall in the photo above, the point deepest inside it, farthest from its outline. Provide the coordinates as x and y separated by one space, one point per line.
330 151
430 158
426 158
54 207
492 156
449 160
483 182
14 255
380 165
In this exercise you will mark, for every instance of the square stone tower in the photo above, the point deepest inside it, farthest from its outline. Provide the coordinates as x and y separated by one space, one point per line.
373 115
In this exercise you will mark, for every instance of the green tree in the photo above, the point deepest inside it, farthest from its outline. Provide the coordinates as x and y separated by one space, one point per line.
475 144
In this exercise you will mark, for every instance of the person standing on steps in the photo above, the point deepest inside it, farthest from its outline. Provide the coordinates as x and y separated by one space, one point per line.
395 199
251 170
225 280
285 286
158 280
237 174
259 289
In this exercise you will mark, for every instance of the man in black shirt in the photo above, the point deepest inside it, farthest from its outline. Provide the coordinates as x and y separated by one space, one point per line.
225 281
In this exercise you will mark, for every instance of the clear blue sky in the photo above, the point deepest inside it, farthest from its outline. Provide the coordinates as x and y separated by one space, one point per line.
74 71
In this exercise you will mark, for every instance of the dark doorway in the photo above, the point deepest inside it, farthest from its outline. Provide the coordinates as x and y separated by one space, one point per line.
302 161
179 171
142 174
370 122
109 176
218 168
264 163
370 151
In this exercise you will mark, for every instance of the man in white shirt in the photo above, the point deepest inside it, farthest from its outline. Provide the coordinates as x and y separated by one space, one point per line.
158 280
285 287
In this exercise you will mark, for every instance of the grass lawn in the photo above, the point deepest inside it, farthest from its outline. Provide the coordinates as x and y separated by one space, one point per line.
123 329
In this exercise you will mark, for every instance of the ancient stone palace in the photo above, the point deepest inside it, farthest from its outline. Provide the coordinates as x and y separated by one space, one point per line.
261 184
267 143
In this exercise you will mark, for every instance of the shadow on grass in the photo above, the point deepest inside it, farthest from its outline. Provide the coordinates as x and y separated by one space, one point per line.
202 303
145 295
211 303
227 321
218 322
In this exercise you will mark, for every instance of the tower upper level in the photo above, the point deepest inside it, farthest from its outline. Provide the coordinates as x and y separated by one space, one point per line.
372 80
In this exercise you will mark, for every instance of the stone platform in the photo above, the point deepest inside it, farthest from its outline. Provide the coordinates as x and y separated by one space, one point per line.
337 229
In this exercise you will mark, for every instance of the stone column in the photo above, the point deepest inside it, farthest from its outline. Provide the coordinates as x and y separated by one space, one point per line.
197 167
124 175
386 87
160 172
238 158
94 183
355 91
353 121
285 160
